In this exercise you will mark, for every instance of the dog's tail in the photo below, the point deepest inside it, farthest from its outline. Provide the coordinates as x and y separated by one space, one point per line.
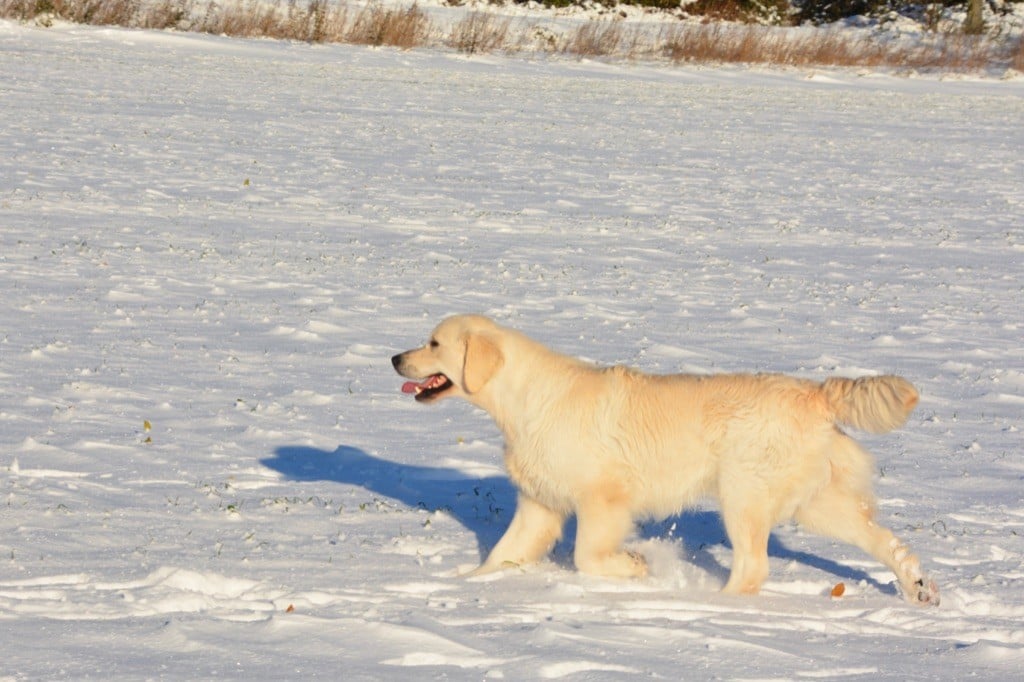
875 404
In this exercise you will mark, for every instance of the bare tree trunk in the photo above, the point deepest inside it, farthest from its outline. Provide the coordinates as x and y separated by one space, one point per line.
974 23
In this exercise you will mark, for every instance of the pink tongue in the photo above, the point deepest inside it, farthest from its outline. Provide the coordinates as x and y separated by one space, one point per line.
410 387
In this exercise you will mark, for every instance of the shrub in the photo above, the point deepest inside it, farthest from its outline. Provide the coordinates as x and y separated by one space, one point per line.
164 14
97 12
395 27
757 44
480 32
827 11
750 11
1017 56
331 21
595 39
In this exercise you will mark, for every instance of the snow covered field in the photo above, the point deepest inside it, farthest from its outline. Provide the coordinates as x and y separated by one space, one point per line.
210 248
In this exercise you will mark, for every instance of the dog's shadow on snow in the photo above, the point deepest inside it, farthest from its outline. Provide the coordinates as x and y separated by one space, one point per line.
482 505
485 506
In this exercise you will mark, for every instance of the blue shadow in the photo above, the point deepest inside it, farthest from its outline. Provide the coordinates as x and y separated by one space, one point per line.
484 506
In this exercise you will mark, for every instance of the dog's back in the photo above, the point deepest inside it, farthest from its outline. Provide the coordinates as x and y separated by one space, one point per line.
684 437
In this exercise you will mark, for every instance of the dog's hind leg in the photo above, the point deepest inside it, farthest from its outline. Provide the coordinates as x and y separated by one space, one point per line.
837 513
748 522
533 532
844 509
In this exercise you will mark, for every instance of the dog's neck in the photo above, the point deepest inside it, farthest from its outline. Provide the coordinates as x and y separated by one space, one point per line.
513 400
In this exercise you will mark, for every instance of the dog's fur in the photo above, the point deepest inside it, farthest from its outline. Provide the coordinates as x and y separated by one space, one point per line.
612 445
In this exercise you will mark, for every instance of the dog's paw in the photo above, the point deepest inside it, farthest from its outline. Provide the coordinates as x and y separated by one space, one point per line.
639 564
924 592
490 569
622 564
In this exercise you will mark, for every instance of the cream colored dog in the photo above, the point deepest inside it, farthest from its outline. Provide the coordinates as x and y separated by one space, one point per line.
612 445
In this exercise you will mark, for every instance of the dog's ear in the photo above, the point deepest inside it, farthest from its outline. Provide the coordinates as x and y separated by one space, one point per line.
483 359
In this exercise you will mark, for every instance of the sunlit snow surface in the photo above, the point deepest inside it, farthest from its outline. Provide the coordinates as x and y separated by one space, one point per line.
209 248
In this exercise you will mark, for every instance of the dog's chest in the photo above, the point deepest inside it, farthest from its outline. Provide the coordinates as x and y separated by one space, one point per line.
544 479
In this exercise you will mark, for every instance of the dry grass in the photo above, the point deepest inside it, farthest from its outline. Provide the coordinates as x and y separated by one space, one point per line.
377 25
1017 55
760 45
96 12
251 19
163 15
482 32
596 39
314 21
318 21
955 52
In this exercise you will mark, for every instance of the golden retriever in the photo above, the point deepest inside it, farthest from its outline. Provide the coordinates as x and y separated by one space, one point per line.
612 445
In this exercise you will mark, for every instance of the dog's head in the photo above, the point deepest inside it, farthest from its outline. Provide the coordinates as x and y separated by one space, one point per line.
461 357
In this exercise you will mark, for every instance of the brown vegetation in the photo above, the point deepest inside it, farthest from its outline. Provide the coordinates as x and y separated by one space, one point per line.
377 25
1017 55
482 32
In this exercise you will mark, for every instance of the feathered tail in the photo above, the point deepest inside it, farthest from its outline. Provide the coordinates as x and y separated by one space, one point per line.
875 404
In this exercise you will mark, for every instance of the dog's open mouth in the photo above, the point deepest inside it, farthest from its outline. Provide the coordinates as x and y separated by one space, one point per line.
429 388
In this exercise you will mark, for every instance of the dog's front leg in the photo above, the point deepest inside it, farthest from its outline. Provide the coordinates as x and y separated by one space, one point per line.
603 523
533 532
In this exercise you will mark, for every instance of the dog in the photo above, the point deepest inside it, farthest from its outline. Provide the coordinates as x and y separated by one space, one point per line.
613 445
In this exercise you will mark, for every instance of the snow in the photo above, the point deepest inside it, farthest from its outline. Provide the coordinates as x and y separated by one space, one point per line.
211 248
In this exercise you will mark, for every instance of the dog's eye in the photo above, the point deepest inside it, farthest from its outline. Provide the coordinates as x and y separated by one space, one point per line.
434 343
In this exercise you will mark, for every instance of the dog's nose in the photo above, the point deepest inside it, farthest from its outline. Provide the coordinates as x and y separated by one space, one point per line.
396 360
